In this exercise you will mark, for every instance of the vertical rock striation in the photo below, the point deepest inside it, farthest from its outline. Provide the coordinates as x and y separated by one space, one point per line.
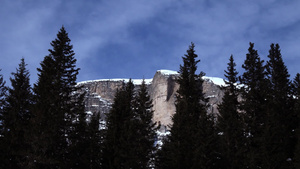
162 90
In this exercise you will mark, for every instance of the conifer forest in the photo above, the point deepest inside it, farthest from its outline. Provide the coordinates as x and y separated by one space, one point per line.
45 126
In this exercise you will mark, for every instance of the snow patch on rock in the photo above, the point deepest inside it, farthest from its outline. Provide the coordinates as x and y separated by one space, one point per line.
168 72
216 80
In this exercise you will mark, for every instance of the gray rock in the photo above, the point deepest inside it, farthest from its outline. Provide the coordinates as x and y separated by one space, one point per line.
162 90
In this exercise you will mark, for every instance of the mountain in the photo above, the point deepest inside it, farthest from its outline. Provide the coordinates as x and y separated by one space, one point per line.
162 90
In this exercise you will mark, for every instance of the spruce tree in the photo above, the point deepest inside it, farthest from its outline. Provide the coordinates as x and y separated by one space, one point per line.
130 133
296 93
118 151
3 95
207 154
230 123
3 146
17 116
85 141
254 105
188 144
145 129
78 141
56 104
279 138
95 142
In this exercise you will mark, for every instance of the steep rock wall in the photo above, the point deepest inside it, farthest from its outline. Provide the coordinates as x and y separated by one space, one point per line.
163 94
162 90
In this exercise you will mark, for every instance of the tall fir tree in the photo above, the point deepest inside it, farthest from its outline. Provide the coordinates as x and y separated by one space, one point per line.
296 93
130 134
145 129
3 146
17 116
187 145
117 150
3 95
254 106
279 126
230 123
56 105
95 142
78 141
85 142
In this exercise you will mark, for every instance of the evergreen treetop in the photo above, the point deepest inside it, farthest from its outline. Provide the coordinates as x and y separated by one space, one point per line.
280 120
3 145
230 123
3 94
57 103
277 74
118 135
17 115
231 75
20 94
254 105
192 130
145 128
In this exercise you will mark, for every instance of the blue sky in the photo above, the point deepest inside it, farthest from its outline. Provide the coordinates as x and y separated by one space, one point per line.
134 38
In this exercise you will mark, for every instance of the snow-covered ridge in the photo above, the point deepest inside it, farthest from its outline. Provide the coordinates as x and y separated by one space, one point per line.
215 80
135 81
167 72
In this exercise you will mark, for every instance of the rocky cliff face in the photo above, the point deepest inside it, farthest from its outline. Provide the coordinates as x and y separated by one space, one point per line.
162 90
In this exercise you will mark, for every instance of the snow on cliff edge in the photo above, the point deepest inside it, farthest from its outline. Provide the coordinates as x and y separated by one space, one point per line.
135 81
215 80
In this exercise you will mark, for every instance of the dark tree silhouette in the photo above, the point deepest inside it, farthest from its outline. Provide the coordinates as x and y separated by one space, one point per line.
230 123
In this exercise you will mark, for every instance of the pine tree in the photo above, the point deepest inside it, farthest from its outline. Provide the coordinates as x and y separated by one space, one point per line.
254 105
296 92
208 151
3 146
278 138
130 132
230 123
17 116
78 141
85 141
118 151
56 104
188 144
145 130
3 95
95 142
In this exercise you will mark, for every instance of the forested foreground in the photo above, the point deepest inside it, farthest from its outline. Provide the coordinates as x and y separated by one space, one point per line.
45 125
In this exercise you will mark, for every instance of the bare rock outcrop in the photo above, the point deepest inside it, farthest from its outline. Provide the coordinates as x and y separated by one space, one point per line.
162 90
163 94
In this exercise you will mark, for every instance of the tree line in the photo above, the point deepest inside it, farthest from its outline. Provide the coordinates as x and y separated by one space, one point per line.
258 121
46 126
